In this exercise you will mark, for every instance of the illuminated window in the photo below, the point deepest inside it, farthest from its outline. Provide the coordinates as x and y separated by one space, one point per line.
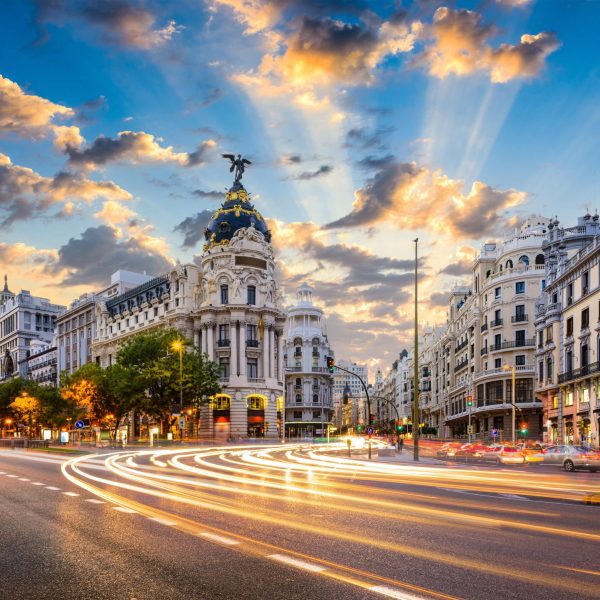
569 399
585 395
221 402
256 403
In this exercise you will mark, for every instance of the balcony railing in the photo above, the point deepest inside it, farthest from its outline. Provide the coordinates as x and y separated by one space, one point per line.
496 323
577 373
223 343
252 343
521 318
512 344
484 351
461 365
484 327
462 345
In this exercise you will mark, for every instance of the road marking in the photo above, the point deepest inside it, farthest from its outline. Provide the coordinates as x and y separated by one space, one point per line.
13 476
515 496
124 509
37 483
2 472
24 479
51 487
162 521
294 562
70 494
219 538
393 593
94 501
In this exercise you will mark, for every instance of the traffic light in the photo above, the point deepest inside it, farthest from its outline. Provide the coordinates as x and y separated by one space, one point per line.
359 428
524 428
345 397
330 364
469 400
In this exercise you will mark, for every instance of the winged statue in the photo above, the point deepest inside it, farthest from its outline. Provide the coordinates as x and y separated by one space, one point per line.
238 165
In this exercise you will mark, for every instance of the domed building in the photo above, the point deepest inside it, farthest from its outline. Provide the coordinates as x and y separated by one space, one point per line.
239 322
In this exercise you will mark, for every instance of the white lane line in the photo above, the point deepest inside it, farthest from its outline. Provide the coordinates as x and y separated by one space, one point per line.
70 494
51 487
94 501
24 479
124 509
162 521
2 472
37 483
294 562
13 476
515 497
393 593
219 538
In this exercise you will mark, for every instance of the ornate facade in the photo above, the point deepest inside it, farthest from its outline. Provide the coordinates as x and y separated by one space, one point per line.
308 383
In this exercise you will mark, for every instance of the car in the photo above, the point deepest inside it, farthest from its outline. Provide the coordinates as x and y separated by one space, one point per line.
448 450
533 453
470 451
505 455
572 458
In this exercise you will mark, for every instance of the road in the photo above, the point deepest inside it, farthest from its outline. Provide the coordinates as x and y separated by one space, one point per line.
291 522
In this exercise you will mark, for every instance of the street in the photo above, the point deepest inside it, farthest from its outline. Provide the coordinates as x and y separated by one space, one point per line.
293 521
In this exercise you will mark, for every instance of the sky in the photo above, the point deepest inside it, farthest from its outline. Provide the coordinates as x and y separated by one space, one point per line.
368 124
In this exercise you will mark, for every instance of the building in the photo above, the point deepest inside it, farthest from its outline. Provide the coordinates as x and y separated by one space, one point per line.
238 321
354 413
567 334
23 319
77 326
40 365
308 383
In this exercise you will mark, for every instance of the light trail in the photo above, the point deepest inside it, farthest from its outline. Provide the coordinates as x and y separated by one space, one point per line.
224 479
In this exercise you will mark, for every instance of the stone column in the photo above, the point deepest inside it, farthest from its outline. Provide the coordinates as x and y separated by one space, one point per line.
203 341
265 351
242 351
233 360
196 338
279 374
210 341
272 353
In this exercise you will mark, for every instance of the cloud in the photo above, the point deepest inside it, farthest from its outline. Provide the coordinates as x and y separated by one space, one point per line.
25 193
136 148
66 137
121 22
460 47
211 194
439 299
307 175
375 162
413 197
458 269
361 137
115 213
514 3
290 159
93 257
27 115
192 228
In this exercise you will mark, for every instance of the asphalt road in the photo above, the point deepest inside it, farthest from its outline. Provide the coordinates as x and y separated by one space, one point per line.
291 522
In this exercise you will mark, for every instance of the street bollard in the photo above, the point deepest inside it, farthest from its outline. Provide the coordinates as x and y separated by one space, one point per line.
349 442
369 450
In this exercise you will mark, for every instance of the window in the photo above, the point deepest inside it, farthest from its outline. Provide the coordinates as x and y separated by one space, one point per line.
548 334
224 294
569 326
519 312
251 332
520 360
298 399
540 339
223 332
224 367
524 260
298 414
256 403
569 399
315 399
541 371
497 363
520 287
498 292
252 368
509 264
251 294
569 294
584 355
520 337
585 318
221 402
316 414
569 361
585 283
585 396
549 373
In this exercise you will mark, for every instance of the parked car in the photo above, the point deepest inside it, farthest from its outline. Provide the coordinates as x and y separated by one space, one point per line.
572 458
448 450
533 453
505 455
470 451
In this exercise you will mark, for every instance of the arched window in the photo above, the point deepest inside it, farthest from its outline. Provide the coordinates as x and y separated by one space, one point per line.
251 294
298 399
524 259
298 351
540 259
509 264
298 382
256 402
315 398
221 402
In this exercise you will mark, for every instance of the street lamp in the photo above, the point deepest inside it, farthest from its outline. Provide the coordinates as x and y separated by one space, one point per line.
177 345
506 368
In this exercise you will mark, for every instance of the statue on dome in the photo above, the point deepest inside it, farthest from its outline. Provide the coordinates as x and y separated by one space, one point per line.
238 164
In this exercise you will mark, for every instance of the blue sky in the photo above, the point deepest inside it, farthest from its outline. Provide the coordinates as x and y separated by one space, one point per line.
368 124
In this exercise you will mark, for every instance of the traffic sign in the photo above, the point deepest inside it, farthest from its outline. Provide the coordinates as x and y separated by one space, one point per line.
182 423
79 424
370 431
494 432
470 429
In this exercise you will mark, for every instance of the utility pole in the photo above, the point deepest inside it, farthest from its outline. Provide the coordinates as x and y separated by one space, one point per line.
415 427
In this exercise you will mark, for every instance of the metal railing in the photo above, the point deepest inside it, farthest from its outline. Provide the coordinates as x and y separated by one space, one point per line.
496 323
512 344
580 372
521 318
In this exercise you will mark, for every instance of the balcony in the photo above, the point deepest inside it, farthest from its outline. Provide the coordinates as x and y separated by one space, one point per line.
223 343
298 353
577 373
519 370
484 351
462 345
496 323
508 345
461 366
319 370
484 327
522 318
252 343
256 379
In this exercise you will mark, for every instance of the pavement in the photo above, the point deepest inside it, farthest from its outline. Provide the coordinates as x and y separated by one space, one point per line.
290 522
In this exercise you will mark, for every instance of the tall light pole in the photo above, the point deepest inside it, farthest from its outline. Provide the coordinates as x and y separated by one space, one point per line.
416 365
177 345
513 398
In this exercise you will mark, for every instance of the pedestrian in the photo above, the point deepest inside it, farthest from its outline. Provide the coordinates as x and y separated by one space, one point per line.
400 444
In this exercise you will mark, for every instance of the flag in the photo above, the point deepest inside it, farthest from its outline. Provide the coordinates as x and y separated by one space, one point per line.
261 328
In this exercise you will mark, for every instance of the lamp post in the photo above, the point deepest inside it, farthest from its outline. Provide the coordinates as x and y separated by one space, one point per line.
513 397
416 365
177 345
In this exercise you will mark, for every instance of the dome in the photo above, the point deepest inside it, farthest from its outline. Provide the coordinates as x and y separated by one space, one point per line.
235 213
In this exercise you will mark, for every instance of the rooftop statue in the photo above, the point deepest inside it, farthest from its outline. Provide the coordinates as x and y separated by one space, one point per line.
238 164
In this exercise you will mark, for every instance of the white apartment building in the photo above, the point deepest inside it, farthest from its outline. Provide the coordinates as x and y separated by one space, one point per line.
308 383
40 365
354 413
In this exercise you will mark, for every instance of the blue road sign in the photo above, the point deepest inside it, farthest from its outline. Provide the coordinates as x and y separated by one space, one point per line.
370 431
182 423
495 432
79 424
